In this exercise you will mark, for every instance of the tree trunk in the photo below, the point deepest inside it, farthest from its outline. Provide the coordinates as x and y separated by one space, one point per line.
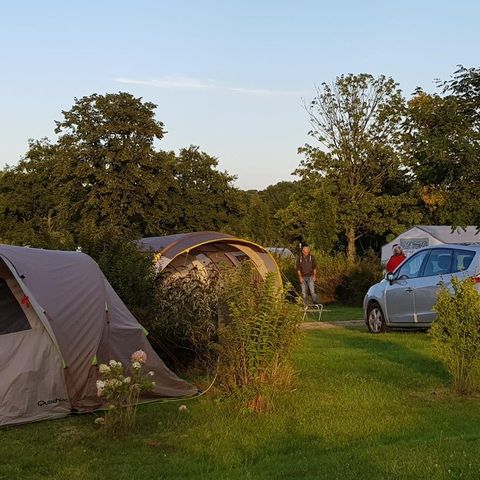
351 250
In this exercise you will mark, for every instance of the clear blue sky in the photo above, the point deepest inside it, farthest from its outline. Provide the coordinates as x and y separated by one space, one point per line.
228 76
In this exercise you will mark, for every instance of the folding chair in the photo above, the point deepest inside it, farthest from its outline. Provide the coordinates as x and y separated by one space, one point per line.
318 308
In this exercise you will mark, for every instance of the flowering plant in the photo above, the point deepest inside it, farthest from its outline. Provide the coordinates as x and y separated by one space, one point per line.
121 389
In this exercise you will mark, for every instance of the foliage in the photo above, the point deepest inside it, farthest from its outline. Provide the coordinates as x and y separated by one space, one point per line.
129 271
105 177
108 167
442 148
258 338
456 333
358 278
186 315
121 391
202 197
356 122
337 279
311 216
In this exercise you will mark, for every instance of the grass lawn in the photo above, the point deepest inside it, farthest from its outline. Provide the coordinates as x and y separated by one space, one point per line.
335 312
364 407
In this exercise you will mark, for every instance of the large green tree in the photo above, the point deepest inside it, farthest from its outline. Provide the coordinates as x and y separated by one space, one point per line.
442 148
203 197
356 122
111 176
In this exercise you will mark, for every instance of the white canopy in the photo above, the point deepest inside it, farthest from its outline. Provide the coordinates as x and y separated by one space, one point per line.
426 235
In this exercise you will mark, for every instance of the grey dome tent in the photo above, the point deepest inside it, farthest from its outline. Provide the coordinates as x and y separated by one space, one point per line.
176 253
59 318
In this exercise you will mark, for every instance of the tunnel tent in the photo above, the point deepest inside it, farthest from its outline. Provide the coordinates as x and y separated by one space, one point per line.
421 236
179 252
59 318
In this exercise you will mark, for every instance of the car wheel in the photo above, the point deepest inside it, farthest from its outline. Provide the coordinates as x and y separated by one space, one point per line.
375 319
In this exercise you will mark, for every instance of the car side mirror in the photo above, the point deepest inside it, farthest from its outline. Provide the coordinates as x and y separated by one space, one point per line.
390 277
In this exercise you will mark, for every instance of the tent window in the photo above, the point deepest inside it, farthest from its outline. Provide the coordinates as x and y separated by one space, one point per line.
12 317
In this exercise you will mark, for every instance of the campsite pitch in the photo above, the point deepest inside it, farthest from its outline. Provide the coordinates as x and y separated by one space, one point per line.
364 407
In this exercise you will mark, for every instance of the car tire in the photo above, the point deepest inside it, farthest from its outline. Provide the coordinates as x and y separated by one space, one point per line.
375 319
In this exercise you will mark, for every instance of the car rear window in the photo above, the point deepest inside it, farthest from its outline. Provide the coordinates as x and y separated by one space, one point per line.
462 259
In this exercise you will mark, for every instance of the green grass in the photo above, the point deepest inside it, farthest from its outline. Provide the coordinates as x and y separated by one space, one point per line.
364 407
336 312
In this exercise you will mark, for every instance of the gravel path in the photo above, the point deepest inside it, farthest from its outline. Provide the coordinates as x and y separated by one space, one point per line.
328 325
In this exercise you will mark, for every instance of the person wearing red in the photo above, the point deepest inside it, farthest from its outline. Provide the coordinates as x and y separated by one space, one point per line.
396 259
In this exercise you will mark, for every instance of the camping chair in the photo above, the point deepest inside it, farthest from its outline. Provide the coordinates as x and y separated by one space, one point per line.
318 308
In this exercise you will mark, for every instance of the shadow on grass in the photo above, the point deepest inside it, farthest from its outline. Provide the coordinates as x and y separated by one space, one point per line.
387 352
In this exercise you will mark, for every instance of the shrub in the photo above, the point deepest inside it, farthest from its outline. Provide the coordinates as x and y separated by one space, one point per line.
257 340
358 278
121 392
129 271
456 333
336 279
186 315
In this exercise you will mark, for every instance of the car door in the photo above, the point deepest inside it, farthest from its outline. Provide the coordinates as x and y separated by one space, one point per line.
437 272
399 297
442 264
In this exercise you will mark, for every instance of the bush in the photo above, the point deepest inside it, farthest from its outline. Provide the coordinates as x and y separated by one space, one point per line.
129 271
336 279
456 333
358 278
257 340
186 315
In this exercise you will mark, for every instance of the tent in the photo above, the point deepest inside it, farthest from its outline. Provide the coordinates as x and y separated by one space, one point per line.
281 252
427 235
180 252
59 318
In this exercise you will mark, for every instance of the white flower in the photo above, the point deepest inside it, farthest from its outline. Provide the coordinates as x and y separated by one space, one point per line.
104 368
151 373
182 408
153 384
127 380
100 421
136 365
112 363
100 384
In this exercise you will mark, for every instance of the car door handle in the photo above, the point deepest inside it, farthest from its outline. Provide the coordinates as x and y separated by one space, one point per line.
409 289
440 284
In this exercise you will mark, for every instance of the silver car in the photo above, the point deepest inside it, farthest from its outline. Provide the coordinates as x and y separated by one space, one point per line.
405 298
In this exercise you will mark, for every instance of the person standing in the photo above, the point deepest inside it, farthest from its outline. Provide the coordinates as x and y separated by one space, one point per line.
307 274
396 259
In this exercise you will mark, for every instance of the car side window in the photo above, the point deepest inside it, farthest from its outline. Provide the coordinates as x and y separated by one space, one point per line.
439 262
462 259
412 267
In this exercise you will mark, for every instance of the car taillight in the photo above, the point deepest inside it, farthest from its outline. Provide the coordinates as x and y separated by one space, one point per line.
476 279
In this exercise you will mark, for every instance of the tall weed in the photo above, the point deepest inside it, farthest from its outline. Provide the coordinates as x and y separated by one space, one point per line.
456 333
257 340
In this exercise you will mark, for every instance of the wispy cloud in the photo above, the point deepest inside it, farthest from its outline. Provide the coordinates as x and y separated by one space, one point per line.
197 84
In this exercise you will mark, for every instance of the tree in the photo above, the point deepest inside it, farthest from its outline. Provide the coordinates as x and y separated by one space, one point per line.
110 175
442 148
29 196
356 121
203 198
310 216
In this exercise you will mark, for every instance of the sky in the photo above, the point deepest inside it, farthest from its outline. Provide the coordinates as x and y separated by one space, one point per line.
228 76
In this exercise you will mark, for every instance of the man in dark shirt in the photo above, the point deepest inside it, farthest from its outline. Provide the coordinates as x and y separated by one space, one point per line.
307 274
